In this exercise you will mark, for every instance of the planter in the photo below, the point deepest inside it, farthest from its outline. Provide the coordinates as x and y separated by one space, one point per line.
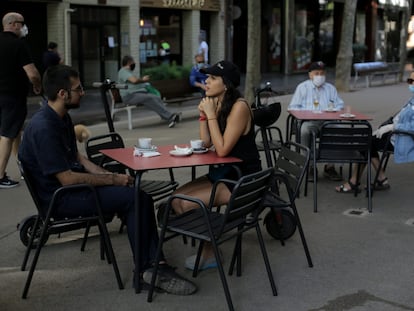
172 88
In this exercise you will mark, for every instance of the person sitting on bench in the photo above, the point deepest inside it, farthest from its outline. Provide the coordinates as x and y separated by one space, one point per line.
140 92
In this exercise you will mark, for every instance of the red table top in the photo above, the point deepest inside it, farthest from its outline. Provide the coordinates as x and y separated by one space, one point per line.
165 160
324 115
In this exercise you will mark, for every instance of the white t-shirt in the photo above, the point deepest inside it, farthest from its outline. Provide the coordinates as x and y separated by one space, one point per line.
203 49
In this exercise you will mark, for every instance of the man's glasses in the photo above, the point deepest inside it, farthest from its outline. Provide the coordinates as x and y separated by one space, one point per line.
79 89
410 81
20 22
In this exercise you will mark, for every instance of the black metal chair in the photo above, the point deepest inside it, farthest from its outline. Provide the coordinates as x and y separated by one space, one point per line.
290 170
207 225
47 223
269 135
269 140
387 151
342 142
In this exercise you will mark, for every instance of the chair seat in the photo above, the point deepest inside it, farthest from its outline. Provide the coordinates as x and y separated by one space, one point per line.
193 224
340 156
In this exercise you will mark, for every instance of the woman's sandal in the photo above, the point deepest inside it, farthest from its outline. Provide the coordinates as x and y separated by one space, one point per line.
343 189
382 184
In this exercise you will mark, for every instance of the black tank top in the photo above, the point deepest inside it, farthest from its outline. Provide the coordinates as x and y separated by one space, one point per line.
246 150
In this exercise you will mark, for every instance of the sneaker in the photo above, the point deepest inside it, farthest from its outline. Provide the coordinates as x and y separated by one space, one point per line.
173 120
169 281
6 182
208 263
331 174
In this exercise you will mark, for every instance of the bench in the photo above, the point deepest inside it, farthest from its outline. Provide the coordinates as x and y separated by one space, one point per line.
117 105
176 91
373 69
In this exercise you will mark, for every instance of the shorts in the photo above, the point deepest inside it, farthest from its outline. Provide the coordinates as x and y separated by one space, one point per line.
13 112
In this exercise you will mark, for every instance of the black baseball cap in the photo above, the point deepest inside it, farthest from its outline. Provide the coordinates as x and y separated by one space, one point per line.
317 66
225 69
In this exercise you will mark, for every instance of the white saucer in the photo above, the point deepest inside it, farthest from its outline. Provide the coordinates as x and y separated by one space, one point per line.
331 110
178 153
347 115
204 150
153 148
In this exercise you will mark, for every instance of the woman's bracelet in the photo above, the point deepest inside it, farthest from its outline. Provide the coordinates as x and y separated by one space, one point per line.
212 119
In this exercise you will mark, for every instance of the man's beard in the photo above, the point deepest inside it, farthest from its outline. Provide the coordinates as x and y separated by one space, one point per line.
69 105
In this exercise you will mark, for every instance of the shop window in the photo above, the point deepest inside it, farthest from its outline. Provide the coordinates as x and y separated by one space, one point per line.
157 27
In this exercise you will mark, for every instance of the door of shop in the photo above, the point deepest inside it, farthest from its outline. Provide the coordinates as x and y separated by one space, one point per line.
95 52
95 43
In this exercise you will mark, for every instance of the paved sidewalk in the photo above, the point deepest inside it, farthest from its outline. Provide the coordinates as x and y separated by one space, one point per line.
360 262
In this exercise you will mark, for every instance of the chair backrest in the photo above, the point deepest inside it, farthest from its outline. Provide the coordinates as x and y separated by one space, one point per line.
247 198
293 161
338 140
106 141
116 95
30 182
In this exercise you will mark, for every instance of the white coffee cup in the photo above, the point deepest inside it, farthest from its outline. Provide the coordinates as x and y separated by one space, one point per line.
145 143
197 144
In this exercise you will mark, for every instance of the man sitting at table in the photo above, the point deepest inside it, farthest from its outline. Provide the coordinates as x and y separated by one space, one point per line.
306 93
49 152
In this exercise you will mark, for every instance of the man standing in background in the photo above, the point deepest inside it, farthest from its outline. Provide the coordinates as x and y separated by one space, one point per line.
17 71
203 47
51 57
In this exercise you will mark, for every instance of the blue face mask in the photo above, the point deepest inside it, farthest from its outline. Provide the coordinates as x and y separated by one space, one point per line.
411 88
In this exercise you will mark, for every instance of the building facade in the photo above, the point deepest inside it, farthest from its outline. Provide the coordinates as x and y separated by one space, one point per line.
93 35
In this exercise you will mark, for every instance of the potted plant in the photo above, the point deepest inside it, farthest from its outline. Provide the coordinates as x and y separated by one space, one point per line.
171 80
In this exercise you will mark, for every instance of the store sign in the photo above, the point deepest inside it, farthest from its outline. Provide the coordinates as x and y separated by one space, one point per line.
202 5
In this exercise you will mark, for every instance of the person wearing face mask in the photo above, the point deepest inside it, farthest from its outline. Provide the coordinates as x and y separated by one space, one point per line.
197 78
403 146
17 72
141 92
316 88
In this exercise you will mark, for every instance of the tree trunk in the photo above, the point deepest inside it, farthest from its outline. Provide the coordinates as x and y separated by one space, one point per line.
404 37
344 57
253 49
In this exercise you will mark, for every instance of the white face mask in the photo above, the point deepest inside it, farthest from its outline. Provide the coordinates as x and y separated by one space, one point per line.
24 31
318 80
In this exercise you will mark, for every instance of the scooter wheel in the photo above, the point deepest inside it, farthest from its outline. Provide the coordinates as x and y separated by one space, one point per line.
282 218
26 231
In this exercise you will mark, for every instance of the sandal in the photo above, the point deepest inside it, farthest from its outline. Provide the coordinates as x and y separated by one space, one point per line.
380 185
353 187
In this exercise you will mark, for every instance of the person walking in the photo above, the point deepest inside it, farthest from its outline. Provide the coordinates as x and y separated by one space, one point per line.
51 57
203 46
17 71
139 91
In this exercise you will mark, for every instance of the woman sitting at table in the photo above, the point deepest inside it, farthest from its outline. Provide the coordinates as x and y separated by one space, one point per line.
404 146
226 122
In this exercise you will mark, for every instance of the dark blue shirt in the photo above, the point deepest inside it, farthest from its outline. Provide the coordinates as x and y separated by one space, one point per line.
49 147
